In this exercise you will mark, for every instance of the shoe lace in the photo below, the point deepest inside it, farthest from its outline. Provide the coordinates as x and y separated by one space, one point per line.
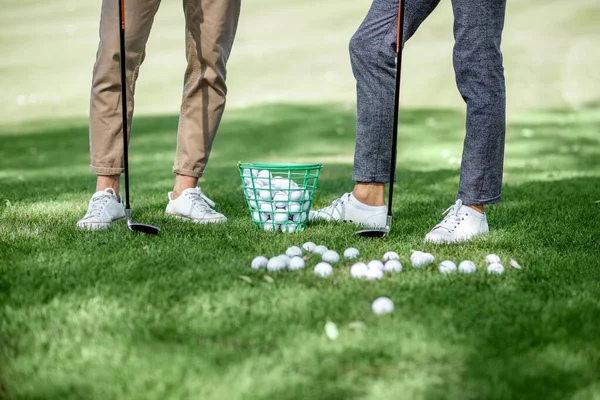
454 216
338 205
200 201
97 206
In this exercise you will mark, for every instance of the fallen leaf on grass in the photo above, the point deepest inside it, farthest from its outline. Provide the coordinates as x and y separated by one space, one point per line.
268 279
357 325
245 278
515 264
331 330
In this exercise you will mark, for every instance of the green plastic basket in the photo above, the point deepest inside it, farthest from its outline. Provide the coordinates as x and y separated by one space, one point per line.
279 195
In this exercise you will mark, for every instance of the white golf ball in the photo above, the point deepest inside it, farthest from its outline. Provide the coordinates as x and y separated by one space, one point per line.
375 264
391 255
330 256
259 262
307 194
306 205
254 204
280 183
492 258
263 178
320 249
382 305
295 194
359 270
467 267
266 207
290 228
323 269
295 207
392 266
276 264
293 251
280 216
351 253
447 267
280 199
495 268
295 217
419 259
269 227
374 273
251 194
286 259
265 194
309 246
296 263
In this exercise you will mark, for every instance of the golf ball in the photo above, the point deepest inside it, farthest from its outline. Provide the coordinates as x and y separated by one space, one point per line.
276 264
419 259
263 178
320 249
309 246
323 269
351 253
280 199
382 305
286 259
392 266
296 263
259 262
330 256
467 267
280 216
359 270
375 264
495 268
269 227
293 251
280 183
266 207
374 273
295 194
447 267
295 207
290 228
492 258
391 255
265 194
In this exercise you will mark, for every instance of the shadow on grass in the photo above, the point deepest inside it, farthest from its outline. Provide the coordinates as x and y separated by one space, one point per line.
527 337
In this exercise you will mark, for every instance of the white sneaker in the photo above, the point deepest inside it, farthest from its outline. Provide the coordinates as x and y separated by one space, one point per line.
193 205
348 209
105 208
461 223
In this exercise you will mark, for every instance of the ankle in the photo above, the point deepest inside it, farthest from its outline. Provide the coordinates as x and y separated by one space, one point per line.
104 182
183 182
477 207
371 193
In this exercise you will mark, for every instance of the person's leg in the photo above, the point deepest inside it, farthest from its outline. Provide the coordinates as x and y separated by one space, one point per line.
210 30
372 52
106 140
106 123
480 79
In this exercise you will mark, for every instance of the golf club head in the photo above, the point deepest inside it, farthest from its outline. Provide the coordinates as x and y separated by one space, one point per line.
143 228
376 233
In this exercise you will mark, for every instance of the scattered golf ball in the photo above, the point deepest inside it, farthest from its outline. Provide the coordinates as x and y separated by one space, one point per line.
330 256
276 264
492 258
374 273
351 253
259 262
392 266
419 259
391 255
359 270
382 305
447 267
286 259
467 267
323 269
296 263
294 251
309 246
320 249
375 264
495 268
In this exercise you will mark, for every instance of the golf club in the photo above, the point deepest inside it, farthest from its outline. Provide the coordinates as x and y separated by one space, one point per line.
133 226
379 233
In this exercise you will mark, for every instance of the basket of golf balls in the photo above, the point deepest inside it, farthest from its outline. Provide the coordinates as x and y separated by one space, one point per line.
279 195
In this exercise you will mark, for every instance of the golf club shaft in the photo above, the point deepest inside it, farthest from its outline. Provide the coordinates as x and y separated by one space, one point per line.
399 46
124 100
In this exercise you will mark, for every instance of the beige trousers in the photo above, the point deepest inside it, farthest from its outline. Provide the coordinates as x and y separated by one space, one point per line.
210 27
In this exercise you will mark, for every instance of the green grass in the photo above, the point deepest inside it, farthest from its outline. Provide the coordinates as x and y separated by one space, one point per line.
112 315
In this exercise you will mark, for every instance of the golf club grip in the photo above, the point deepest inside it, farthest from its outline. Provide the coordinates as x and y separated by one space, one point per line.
122 61
399 46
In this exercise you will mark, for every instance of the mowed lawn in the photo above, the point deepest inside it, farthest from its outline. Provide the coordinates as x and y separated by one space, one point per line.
114 315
